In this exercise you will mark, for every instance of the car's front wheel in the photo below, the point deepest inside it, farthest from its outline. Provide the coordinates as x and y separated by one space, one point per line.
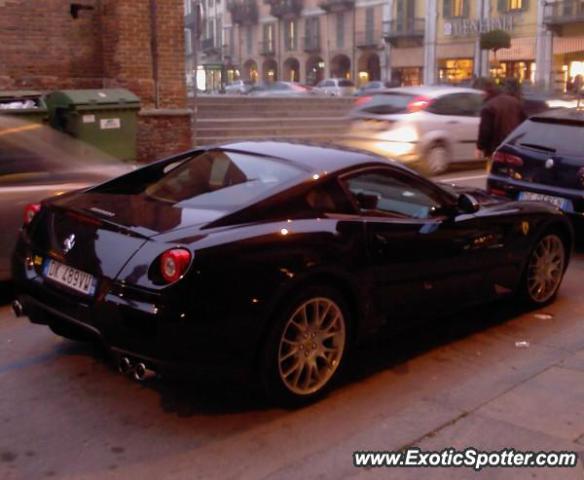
544 270
306 346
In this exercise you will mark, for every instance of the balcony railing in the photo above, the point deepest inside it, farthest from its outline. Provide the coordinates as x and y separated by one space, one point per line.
311 44
244 12
267 48
210 45
368 39
285 8
408 30
564 12
332 6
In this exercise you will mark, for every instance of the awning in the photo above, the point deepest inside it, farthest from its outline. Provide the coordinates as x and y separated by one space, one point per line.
406 57
455 50
521 49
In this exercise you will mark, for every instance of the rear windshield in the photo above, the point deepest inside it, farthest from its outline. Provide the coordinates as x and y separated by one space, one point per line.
221 180
346 83
549 136
386 104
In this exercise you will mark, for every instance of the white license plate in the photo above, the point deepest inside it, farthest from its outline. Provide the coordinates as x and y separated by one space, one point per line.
70 277
559 202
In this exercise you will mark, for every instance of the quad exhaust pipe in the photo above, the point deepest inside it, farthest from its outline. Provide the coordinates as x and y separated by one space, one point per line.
17 308
142 373
139 371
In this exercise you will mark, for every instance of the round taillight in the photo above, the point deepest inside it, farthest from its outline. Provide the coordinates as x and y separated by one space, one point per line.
174 263
30 211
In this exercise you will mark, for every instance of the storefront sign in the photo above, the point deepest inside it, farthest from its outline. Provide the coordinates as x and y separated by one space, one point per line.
465 27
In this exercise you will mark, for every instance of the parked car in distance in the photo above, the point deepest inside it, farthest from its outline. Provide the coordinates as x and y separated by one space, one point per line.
371 87
267 260
543 160
281 89
427 128
336 87
239 87
38 162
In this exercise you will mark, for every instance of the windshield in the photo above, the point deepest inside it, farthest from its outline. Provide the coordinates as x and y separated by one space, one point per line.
221 180
386 104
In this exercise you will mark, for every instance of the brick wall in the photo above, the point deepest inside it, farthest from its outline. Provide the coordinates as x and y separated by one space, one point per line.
43 47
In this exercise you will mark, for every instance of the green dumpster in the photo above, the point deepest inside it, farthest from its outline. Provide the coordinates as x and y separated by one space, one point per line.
27 104
104 118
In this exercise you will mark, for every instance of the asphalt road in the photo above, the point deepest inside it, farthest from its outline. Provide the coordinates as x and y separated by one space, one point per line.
465 381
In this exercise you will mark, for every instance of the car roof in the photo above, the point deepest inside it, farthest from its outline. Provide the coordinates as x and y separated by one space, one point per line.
561 114
312 157
430 91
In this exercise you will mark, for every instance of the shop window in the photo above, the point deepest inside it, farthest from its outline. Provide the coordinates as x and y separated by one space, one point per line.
455 70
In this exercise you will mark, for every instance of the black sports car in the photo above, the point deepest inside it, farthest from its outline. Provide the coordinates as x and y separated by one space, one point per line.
272 258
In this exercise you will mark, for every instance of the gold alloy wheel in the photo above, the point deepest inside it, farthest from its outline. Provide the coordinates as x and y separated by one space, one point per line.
311 346
545 268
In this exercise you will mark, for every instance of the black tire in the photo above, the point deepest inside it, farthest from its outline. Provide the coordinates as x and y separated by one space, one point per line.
531 296
70 332
276 385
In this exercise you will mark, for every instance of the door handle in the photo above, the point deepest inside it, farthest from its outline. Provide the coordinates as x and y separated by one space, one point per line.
452 122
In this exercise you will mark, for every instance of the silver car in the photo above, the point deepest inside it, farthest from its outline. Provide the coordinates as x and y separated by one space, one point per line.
336 87
426 127
38 162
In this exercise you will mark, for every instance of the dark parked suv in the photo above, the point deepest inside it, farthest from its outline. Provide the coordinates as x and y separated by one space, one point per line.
543 159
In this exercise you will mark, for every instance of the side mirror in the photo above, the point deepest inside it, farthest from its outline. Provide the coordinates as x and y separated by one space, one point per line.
367 201
467 203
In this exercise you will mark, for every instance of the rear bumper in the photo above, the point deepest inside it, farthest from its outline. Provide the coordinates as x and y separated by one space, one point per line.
511 188
151 332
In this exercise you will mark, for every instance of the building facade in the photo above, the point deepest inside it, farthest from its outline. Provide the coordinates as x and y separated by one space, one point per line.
405 42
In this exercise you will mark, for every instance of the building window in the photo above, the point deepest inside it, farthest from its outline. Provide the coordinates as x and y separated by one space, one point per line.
268 36
340 30
290 35
248 39
188 42
312 28
514 5
456 8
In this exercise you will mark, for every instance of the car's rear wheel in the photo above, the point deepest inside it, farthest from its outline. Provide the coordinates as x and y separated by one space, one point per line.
544 270
437 159
306 346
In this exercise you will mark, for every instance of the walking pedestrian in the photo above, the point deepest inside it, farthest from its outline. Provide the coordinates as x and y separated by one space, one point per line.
500 115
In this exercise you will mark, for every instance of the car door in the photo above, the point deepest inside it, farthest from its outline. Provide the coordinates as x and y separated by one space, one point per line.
421 251
457 115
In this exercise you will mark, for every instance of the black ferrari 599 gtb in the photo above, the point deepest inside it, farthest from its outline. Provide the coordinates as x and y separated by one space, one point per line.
271 259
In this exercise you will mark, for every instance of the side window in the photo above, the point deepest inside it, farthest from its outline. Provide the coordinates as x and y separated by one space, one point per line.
452 104
388 193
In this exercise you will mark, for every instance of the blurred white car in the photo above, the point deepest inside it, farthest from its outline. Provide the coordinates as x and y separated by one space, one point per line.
239 87
336 87
281 89
38 162
425 127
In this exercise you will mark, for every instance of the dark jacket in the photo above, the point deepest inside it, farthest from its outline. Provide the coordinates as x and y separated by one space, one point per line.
500 115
